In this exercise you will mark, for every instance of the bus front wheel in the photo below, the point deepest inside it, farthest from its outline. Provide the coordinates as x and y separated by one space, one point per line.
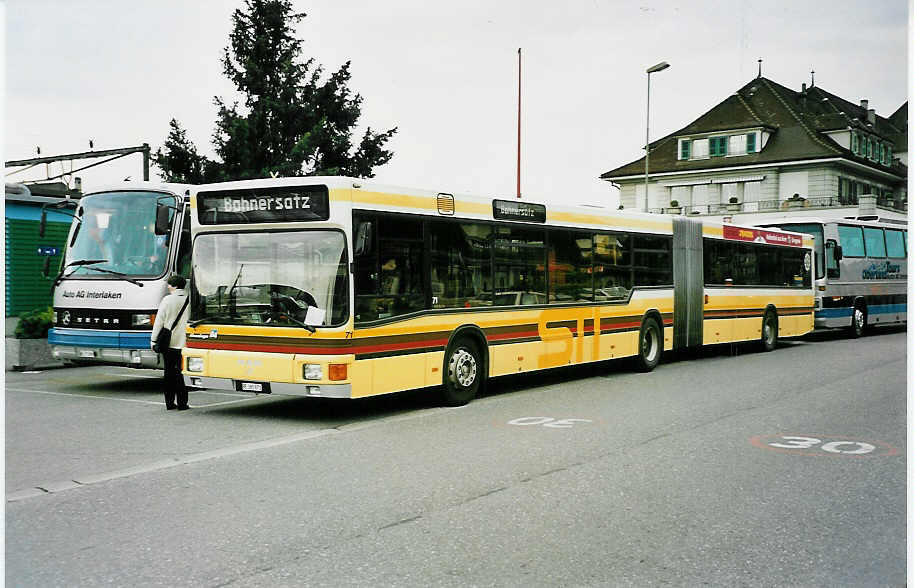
858 321
770 331
650 345
463 373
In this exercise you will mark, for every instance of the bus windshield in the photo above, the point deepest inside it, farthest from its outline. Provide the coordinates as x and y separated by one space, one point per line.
282 278
117 233
814 229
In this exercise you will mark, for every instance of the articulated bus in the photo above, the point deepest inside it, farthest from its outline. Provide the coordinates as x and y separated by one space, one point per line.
861 271
124 243
340 287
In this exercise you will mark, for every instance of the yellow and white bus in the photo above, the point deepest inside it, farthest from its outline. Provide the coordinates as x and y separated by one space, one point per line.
346 288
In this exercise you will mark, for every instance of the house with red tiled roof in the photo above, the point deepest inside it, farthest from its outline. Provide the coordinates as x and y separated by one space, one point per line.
767 148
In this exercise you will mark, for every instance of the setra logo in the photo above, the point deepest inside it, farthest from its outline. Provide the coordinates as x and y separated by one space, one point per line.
249 365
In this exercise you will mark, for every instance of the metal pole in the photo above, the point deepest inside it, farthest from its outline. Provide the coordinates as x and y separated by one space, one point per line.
518 122
647 139
145 162
647 126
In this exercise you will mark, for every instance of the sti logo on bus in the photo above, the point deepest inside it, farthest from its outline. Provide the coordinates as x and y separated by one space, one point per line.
264 205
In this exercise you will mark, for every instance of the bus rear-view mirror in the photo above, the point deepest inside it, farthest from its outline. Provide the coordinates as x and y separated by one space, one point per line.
363 239
47 267
162 218
43 222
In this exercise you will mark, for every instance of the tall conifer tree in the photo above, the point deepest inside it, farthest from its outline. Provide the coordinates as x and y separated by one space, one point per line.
288 121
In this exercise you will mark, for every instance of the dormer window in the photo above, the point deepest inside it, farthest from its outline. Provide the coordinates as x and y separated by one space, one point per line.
737 145
718 146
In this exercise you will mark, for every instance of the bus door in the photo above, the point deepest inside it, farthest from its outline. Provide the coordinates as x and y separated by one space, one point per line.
688 273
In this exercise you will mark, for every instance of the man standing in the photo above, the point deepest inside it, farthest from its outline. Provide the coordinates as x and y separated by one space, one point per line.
167 317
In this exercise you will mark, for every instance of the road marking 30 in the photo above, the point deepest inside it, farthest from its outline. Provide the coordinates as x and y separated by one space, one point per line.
544 421
824 445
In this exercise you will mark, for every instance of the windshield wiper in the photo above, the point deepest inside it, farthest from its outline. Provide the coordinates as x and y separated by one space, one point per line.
231 292
210 317
78 262
118 274
281 316
89 262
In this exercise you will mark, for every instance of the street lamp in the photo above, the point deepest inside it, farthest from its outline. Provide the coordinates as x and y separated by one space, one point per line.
647 132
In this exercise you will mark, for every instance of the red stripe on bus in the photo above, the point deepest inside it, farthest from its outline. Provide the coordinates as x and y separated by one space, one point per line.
318 350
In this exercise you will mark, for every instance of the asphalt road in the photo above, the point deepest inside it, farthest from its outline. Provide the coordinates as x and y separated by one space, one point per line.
737 468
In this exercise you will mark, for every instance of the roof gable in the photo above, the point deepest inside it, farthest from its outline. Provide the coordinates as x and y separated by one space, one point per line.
797 122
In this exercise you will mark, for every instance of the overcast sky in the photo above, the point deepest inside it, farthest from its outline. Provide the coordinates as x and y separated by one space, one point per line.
445 74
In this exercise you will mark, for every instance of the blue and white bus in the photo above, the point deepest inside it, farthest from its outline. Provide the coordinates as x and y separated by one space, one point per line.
124 243
861 270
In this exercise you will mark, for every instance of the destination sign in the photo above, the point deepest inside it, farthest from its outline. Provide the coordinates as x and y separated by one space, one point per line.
761 236
518 211
264 205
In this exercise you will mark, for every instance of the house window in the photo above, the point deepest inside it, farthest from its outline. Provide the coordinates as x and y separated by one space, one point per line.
750 143
718 146
855 143
737 145
700 149
869 148
685 148
888 155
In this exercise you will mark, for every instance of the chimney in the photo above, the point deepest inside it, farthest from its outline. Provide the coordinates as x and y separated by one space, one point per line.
804 87
864 103
871 115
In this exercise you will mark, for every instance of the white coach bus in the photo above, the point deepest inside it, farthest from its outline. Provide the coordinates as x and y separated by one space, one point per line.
861 271
124 243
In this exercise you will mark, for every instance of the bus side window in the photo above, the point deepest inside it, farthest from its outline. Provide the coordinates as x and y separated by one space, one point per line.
894 241
389 258
851 241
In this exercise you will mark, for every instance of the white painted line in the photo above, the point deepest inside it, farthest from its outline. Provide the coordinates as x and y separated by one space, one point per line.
207 391
132 376
85 396
226 402
88 479
85 480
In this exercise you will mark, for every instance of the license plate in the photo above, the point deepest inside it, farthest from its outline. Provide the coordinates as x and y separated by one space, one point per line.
252 387
86 353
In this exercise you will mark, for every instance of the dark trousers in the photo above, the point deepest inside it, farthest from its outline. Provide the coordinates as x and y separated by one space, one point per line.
174 381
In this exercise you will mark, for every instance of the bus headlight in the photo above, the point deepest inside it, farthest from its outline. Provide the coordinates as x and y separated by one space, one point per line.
195 364
312 371
142 319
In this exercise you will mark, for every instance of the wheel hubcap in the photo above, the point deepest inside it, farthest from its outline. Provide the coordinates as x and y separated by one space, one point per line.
649 344
858 318
462 368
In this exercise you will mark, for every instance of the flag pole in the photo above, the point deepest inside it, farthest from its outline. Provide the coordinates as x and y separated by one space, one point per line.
518 122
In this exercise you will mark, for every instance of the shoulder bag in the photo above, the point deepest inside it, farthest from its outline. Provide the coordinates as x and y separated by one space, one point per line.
164 338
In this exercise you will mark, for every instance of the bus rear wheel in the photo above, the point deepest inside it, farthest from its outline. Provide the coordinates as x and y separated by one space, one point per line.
858 321
770 331
462 373
650 345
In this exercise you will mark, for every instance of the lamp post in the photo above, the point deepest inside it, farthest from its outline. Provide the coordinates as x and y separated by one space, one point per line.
647 127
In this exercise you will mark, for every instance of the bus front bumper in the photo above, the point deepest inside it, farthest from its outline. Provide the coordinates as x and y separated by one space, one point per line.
278 388
104 347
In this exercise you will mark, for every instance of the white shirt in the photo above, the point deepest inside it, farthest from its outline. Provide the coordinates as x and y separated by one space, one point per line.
166 315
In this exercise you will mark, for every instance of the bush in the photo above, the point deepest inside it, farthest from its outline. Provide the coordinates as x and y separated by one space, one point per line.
674 204
734 200
35 324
